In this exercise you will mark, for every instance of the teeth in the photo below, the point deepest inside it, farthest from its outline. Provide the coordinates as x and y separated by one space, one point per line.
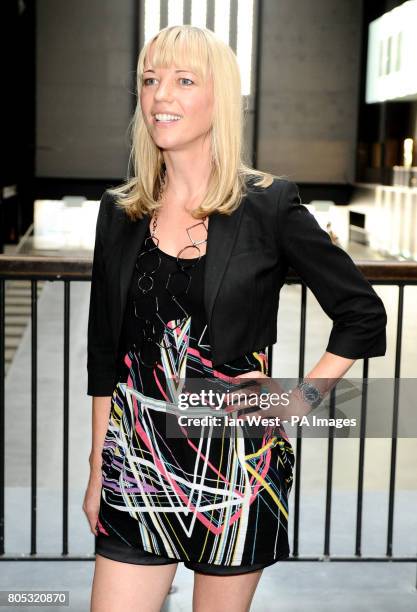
162 117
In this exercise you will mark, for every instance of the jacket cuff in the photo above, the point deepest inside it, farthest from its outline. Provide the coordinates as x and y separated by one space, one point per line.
100 384
349 342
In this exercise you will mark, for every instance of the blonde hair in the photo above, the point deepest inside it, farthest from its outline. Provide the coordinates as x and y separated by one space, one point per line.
206 55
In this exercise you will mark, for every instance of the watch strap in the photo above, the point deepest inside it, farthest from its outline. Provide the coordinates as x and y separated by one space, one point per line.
310 393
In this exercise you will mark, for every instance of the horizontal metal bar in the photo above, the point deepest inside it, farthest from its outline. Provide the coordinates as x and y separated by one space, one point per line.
76 268
378 271
37 268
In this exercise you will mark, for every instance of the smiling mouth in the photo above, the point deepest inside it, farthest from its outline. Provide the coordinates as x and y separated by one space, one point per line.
166 118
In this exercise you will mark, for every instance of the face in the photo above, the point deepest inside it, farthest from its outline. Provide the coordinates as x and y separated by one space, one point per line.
176 91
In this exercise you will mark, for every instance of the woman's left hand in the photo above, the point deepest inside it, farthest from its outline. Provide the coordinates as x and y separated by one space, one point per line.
257 388
292 405
253 374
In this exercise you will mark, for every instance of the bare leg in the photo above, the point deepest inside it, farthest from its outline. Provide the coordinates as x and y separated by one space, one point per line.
129 587
231 593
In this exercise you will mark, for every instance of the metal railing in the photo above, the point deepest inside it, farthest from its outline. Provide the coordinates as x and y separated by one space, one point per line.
66 270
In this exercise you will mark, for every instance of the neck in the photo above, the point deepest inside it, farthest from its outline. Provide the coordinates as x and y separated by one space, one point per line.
187 179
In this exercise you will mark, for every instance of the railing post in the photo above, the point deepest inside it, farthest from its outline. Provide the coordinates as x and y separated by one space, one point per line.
2 409
65 444
394 434
34 414
361 461
298 450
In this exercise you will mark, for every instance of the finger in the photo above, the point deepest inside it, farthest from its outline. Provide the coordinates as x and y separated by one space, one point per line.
94 527
256 413
252 374
240 404
237 407
237 397
92 517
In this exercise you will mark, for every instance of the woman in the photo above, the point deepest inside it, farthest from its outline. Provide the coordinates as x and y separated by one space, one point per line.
189 259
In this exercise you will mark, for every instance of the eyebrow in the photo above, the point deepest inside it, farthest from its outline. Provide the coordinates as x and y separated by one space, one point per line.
150 70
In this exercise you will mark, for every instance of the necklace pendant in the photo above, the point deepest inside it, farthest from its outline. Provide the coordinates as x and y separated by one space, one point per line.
196 225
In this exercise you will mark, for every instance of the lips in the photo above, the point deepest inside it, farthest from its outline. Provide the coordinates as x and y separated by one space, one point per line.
166 115
167 122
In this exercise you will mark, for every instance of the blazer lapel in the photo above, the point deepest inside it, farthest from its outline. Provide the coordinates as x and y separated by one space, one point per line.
222 234
132 238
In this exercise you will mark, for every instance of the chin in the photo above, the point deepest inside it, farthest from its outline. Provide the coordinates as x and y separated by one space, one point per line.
168 145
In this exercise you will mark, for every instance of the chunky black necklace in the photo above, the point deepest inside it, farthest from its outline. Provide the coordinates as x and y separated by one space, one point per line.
154 332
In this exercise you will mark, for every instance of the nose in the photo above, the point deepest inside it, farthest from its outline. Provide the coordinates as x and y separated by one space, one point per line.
164 90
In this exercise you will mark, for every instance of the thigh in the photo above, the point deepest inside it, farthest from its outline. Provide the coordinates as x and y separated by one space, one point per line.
129 587
231 593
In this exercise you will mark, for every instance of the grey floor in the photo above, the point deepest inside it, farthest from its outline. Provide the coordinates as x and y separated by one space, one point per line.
290 586
294 586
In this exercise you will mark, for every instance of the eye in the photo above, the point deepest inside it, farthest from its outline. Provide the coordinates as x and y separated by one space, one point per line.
145 81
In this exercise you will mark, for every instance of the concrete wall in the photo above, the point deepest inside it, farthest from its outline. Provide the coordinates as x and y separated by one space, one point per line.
85 59
308 98
309 89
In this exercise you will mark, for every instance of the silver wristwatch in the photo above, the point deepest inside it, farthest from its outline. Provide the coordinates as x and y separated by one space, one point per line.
310 393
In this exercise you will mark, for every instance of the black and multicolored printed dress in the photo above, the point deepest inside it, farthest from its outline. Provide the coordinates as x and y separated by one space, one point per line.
212 502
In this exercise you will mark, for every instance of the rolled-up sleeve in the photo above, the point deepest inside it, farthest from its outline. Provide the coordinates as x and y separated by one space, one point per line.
346 296
100 351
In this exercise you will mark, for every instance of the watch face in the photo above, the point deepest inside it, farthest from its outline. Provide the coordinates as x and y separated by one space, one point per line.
311 393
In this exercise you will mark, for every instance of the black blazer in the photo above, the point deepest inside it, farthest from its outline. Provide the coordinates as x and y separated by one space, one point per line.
247 258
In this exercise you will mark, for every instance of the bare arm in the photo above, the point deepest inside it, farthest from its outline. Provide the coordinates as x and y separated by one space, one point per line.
330 366
100 415
325 375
